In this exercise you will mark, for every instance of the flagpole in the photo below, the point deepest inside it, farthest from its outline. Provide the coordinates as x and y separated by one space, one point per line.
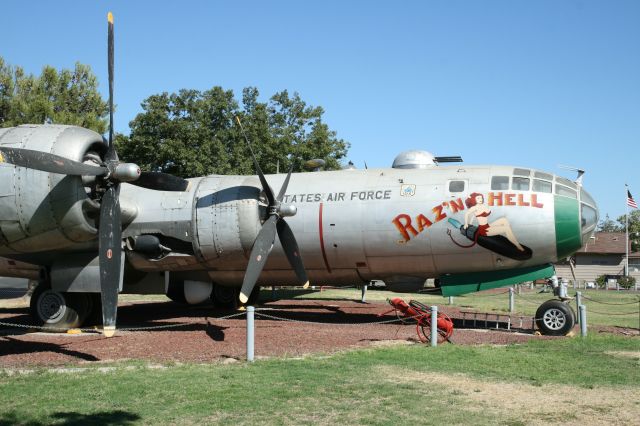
626 227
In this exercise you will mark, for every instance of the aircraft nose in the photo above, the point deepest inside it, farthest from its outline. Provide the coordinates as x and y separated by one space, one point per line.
576 217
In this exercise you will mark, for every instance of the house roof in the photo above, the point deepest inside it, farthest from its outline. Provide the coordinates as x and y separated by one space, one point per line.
605 243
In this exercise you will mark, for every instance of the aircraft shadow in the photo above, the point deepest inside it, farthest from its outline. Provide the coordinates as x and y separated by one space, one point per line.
12 346
105 418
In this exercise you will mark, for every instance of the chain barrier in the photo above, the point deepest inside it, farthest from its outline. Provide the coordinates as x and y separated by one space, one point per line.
275 318
591 311
96 329
526 300
609 303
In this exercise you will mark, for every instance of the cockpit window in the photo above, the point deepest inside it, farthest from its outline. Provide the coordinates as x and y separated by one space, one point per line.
456 186
520 184
586 198
589 217
566 192
543 175
542 186
522 172
566 182
499 183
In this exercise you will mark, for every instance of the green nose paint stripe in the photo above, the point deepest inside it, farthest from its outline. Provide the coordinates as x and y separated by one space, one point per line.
567 215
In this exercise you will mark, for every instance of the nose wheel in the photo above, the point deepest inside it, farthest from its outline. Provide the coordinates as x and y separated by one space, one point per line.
555 318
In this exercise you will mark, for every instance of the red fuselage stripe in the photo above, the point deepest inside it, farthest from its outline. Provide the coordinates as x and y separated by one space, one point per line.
320 230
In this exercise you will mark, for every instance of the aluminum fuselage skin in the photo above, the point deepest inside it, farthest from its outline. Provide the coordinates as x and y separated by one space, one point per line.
351 225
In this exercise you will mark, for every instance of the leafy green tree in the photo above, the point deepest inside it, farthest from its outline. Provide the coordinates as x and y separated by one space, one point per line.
64 97
634 228
193 133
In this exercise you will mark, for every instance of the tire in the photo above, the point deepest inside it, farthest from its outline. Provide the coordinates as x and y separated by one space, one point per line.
225 297
59 311
555 318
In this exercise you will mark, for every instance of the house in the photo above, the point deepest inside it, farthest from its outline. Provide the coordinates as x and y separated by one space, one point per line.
603 254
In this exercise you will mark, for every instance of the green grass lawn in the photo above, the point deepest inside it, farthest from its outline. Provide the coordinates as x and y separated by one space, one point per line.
620 308
558 381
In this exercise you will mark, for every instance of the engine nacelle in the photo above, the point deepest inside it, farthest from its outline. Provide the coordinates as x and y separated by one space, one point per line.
227 221
42 211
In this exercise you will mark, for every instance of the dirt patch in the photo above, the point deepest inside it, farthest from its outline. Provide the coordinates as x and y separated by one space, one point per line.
197 335
625 354
535 405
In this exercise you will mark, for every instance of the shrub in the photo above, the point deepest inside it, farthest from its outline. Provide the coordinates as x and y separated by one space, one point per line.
626 282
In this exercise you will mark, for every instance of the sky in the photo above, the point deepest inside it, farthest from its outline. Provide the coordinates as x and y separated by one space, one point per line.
535 84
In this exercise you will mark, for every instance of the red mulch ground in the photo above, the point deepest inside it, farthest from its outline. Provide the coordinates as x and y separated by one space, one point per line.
202 338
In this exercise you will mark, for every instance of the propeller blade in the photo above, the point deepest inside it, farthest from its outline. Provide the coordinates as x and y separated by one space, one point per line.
259 253
111 153
283 190
161 182
48 162
265 186
110 249
290 246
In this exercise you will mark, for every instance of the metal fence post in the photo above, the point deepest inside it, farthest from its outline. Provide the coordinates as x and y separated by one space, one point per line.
250 330
578 303
434 326
583 321
511 300
364 293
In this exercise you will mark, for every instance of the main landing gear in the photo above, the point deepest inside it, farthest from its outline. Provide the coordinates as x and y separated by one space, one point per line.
59 311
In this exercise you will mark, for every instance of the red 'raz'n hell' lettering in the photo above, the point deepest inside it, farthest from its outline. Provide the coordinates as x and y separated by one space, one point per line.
405 225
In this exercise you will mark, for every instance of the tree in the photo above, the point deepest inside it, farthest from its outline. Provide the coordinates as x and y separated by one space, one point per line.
634 228
65 97
608 225
193 133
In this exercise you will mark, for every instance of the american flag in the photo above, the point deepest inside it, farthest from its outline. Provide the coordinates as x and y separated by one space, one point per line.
630 201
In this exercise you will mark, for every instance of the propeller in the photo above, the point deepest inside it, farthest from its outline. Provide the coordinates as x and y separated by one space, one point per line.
275 223
109 175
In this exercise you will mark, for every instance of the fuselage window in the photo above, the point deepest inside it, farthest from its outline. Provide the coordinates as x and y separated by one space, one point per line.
542 186
520 184
456 186
499 183
566 192
522 172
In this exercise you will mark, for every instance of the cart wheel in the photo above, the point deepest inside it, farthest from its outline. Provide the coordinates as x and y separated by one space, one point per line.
445 329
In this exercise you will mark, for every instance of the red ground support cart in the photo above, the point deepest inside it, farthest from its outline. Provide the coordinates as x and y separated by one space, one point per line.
419 312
